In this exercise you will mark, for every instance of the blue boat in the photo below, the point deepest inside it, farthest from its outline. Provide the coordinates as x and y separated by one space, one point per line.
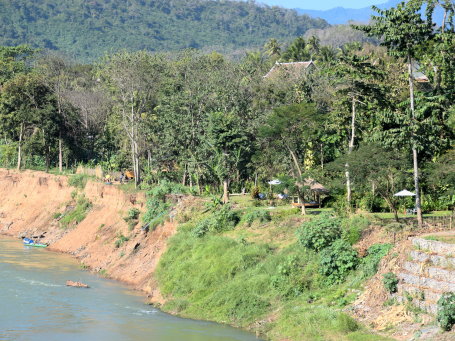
31 242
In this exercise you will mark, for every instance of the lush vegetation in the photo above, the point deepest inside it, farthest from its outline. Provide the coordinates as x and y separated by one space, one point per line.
89 29
222 275
348 123
446 311
362 121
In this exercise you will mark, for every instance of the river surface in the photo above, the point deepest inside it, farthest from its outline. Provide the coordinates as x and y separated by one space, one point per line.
35 304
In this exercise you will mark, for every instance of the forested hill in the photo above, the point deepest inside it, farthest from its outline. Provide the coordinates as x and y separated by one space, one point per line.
86 29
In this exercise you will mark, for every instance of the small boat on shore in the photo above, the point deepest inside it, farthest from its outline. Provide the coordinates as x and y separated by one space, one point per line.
31 242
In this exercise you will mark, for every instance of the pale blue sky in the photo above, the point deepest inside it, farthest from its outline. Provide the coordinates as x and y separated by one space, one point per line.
322 4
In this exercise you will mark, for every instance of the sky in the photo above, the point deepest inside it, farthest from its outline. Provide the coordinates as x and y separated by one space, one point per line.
322 4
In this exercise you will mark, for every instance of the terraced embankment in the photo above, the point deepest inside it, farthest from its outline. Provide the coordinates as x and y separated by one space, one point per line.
429 272
30 203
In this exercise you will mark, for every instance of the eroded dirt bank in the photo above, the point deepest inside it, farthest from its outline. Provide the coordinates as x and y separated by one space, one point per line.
30 200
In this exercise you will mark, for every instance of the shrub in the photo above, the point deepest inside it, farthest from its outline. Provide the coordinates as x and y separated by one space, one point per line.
353 228
157 207
255 192
339 205
257 215
370 263
166 187
224 219
78 180
120 240
390 281
320 232
337 260
289 278
446 311
133 213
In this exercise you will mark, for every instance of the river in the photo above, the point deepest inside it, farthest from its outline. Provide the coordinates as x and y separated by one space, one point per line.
35 304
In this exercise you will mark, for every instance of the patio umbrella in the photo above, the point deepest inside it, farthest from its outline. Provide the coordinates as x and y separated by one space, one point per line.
273 182
404 193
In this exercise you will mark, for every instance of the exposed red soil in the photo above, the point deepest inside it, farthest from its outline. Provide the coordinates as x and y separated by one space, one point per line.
29 200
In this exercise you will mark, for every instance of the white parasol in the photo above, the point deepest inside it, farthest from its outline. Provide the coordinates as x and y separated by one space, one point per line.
404 193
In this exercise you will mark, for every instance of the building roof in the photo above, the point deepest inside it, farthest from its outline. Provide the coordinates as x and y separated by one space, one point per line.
292 67
315 186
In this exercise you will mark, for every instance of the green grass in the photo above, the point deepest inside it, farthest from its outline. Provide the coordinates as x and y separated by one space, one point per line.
257 272
319 323
386 215
237 282
442 238
74 217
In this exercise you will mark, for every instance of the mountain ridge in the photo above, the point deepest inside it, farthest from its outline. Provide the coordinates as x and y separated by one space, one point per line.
342 15
88 29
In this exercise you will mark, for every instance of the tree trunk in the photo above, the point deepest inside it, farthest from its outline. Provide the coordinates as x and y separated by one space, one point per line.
300 181
60 153
19 149
414 147
302 200
322 156
225 191
350 149
48 159
138 169
296 162
184 176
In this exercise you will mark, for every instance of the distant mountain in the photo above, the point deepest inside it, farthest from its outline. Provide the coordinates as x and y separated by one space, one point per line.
87 29
341 15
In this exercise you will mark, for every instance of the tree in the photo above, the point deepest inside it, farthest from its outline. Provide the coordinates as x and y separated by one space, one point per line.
357 84
13 61
54 70
230 145
291 130
26 104
372 165
403 30
297 51
273 48
133 80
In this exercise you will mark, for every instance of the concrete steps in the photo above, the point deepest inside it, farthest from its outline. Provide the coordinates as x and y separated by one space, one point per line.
429 272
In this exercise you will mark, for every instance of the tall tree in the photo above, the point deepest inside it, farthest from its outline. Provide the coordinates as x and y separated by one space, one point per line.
26 105
291 130
357 85
54 70
133 80
403 30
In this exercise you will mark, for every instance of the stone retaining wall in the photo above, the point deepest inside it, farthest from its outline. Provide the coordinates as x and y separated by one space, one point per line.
428 273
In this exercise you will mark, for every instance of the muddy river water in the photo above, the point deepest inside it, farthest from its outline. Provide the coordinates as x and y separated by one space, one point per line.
35 304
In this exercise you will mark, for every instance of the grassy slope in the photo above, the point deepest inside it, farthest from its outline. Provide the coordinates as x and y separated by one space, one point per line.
257 277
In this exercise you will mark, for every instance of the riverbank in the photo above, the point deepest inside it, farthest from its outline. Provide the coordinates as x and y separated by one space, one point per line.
239 264
34 204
